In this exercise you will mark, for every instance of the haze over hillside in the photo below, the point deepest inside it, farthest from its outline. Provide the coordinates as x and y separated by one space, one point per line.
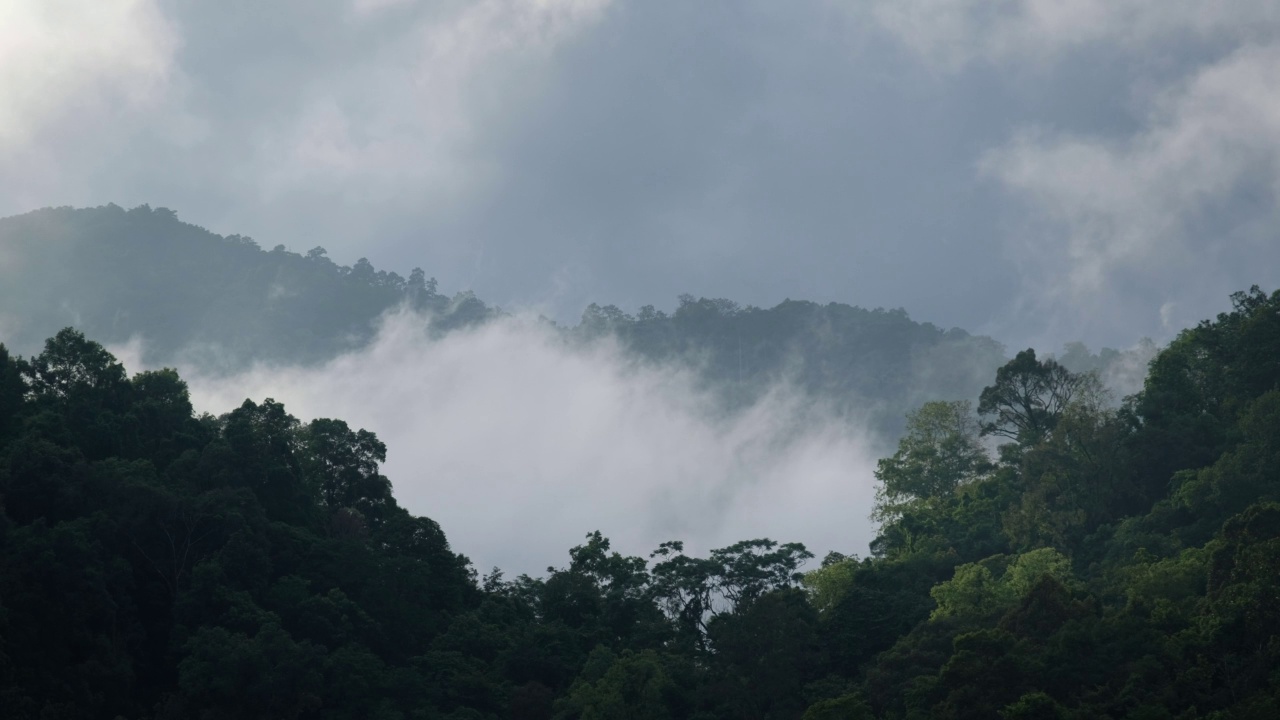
727 411
649 425
228 303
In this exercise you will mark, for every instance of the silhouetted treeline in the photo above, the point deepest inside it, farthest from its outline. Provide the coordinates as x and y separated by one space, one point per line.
1106 562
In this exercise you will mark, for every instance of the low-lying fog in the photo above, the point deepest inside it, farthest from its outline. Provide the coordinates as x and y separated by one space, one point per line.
519 444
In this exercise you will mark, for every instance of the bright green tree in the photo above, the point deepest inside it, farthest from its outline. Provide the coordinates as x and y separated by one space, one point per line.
939 453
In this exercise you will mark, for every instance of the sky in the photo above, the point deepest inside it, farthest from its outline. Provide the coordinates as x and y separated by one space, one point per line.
1041 171
1036 170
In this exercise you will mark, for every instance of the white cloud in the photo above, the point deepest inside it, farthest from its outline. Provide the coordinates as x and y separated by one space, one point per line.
1166 314
64 56
1132 205
407 119
519 445
1127 374
1121 225
391 106
78 80
953 33
369 7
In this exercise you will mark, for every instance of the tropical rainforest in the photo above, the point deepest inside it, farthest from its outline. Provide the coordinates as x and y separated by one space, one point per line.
1048 551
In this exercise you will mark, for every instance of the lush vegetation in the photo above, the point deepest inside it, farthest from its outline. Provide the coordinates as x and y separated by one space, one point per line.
1108 561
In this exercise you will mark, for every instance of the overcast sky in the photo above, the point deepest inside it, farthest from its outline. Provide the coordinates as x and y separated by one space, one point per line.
1035 169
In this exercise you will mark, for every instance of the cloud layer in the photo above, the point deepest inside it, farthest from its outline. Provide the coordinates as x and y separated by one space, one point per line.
73 75
1144 206
59 57
1161 214
954 33
406 120
1035 170
519 445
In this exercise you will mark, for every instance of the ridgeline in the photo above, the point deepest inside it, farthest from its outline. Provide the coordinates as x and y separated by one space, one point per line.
221 303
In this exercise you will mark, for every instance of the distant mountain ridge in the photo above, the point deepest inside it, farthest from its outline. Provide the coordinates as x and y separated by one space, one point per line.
117 274
223 302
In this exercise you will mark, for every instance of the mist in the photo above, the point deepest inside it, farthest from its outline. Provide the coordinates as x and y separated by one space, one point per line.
519 443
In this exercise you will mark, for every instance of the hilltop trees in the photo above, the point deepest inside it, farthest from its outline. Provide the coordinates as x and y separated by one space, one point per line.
222 303
939 453
12 388
142 273
1029 396
342 464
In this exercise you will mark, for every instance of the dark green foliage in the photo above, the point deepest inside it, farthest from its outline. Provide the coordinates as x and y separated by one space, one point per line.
1120 563
1200 385
633 686
845 707
12 388
154 564
765 654
1165 509
1028 397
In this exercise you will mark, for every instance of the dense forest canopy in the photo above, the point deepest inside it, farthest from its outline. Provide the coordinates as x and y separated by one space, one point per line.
1107 562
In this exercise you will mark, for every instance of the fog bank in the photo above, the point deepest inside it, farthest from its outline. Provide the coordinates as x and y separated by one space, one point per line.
519 444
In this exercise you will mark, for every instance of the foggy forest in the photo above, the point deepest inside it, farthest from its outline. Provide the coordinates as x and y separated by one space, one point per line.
596 360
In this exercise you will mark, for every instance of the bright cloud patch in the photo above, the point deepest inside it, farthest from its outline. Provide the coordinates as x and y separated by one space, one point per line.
1131 204
1121 225
58 56
407 116
519 445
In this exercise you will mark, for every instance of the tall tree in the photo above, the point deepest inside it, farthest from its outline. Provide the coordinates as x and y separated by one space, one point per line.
12 390
940 452
1029 396
343 465
72 365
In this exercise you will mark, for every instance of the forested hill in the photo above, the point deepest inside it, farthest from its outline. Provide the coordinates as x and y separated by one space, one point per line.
222 302
1105 563
118 274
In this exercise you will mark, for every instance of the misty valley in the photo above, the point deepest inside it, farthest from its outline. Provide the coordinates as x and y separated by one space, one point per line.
248 483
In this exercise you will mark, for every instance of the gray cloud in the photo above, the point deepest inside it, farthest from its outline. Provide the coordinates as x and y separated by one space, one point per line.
954 33
75 77
519 444
555 153
1033 170
1169 203
405 119
1142 225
